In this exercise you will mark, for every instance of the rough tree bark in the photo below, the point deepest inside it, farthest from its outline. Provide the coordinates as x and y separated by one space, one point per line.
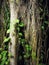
13 45
35 33
2 30
30 16
27 12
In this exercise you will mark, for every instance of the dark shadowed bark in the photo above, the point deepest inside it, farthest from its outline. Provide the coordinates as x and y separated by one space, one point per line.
2 28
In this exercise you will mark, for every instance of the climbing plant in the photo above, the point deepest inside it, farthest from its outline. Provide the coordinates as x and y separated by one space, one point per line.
43 8
25 52
4 46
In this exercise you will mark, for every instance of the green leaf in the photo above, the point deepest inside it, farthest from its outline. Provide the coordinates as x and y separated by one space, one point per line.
6 62
46 22
6 40
22 41
8 31
0 56
29 48
17 20
20 34
26 45
26 55
4 52
42 27
0 49
21 24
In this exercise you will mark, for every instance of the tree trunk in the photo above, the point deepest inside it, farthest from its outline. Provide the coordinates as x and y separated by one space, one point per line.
13 45
28 14
24 14
35 33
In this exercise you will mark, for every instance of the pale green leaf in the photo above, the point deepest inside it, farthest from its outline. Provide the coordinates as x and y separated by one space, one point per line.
8 31
17 20
21 25
20 34
42 27
6 39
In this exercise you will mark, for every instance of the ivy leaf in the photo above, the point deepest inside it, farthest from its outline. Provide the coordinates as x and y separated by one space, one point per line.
17 20
22 41
6 40
29 48
26 55
20 34
21 24
8 31
6 62
0 56
26 45
42 27
46 22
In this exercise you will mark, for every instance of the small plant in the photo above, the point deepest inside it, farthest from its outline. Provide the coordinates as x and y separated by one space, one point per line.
26 46
3 58
4 50
28 50
6 40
